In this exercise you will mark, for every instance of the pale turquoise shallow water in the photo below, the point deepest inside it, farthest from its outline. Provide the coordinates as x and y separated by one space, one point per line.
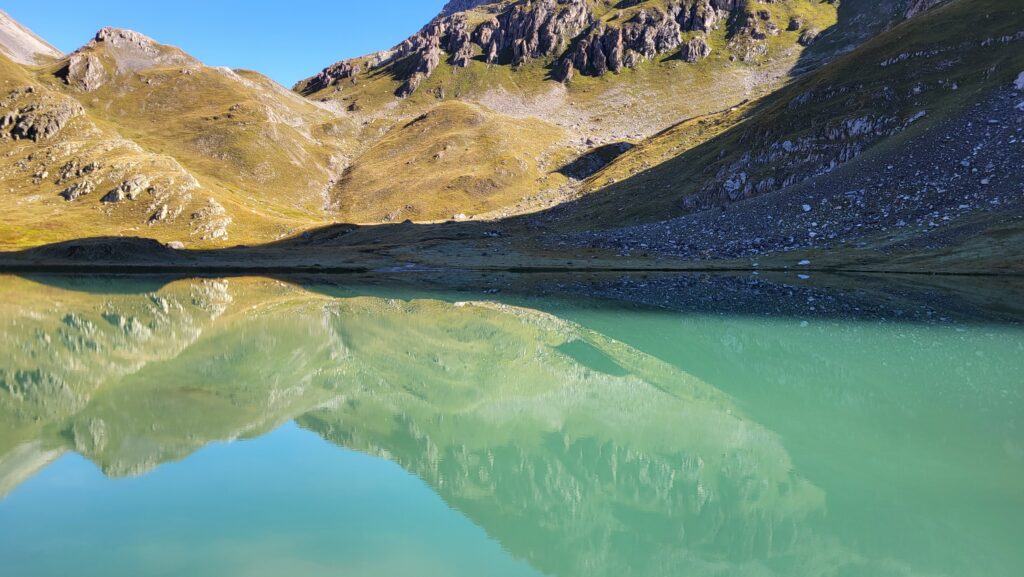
255 428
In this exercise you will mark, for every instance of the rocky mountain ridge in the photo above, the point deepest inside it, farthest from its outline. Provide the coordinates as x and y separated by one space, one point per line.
577 34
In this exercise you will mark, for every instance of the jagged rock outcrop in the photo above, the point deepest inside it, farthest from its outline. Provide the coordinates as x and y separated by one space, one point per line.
74 169
695 50
78 190
647 33
702 15
528 30
84 72
128 51
458 42
330 76
34 116
424 54
569 31
532 29
211 222
128 190
133 51
808 37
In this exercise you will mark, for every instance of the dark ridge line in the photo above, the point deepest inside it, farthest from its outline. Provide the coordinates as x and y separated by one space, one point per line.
235 270
151 269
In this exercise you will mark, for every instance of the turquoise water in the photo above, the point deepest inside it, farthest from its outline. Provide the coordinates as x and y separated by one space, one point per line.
253 427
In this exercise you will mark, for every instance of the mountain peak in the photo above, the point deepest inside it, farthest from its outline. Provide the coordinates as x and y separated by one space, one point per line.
454 6
127 50
122 37
21 44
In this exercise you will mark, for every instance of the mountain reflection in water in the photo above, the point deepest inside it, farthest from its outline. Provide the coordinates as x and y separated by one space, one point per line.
583 440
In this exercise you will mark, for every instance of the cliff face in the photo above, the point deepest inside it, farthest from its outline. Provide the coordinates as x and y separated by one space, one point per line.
576 36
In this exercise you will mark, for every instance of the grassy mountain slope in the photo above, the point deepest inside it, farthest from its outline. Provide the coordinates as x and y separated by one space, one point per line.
262 162
900 141
456 158
591 110
253 142
57 163
920 73
143 140
900 156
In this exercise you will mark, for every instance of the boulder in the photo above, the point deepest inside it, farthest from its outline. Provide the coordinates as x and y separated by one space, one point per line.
809 36
695 50
78 190
127 190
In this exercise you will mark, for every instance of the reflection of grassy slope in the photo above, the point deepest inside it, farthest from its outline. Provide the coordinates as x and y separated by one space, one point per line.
650 182
476 398
456 158
567 466
135 380
578 451
246 375
60 347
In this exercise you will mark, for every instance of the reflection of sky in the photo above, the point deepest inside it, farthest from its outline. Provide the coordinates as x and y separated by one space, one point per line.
287 503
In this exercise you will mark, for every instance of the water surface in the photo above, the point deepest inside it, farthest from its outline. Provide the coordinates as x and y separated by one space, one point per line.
251 427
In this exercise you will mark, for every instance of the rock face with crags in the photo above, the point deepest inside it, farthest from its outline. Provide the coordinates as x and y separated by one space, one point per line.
569 32
83 71
33 116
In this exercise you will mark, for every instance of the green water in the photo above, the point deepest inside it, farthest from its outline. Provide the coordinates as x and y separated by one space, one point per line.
250 427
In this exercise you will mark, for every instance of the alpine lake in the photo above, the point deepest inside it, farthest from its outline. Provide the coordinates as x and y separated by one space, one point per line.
262 427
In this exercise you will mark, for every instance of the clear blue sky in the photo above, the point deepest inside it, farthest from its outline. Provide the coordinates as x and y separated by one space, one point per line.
286 40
